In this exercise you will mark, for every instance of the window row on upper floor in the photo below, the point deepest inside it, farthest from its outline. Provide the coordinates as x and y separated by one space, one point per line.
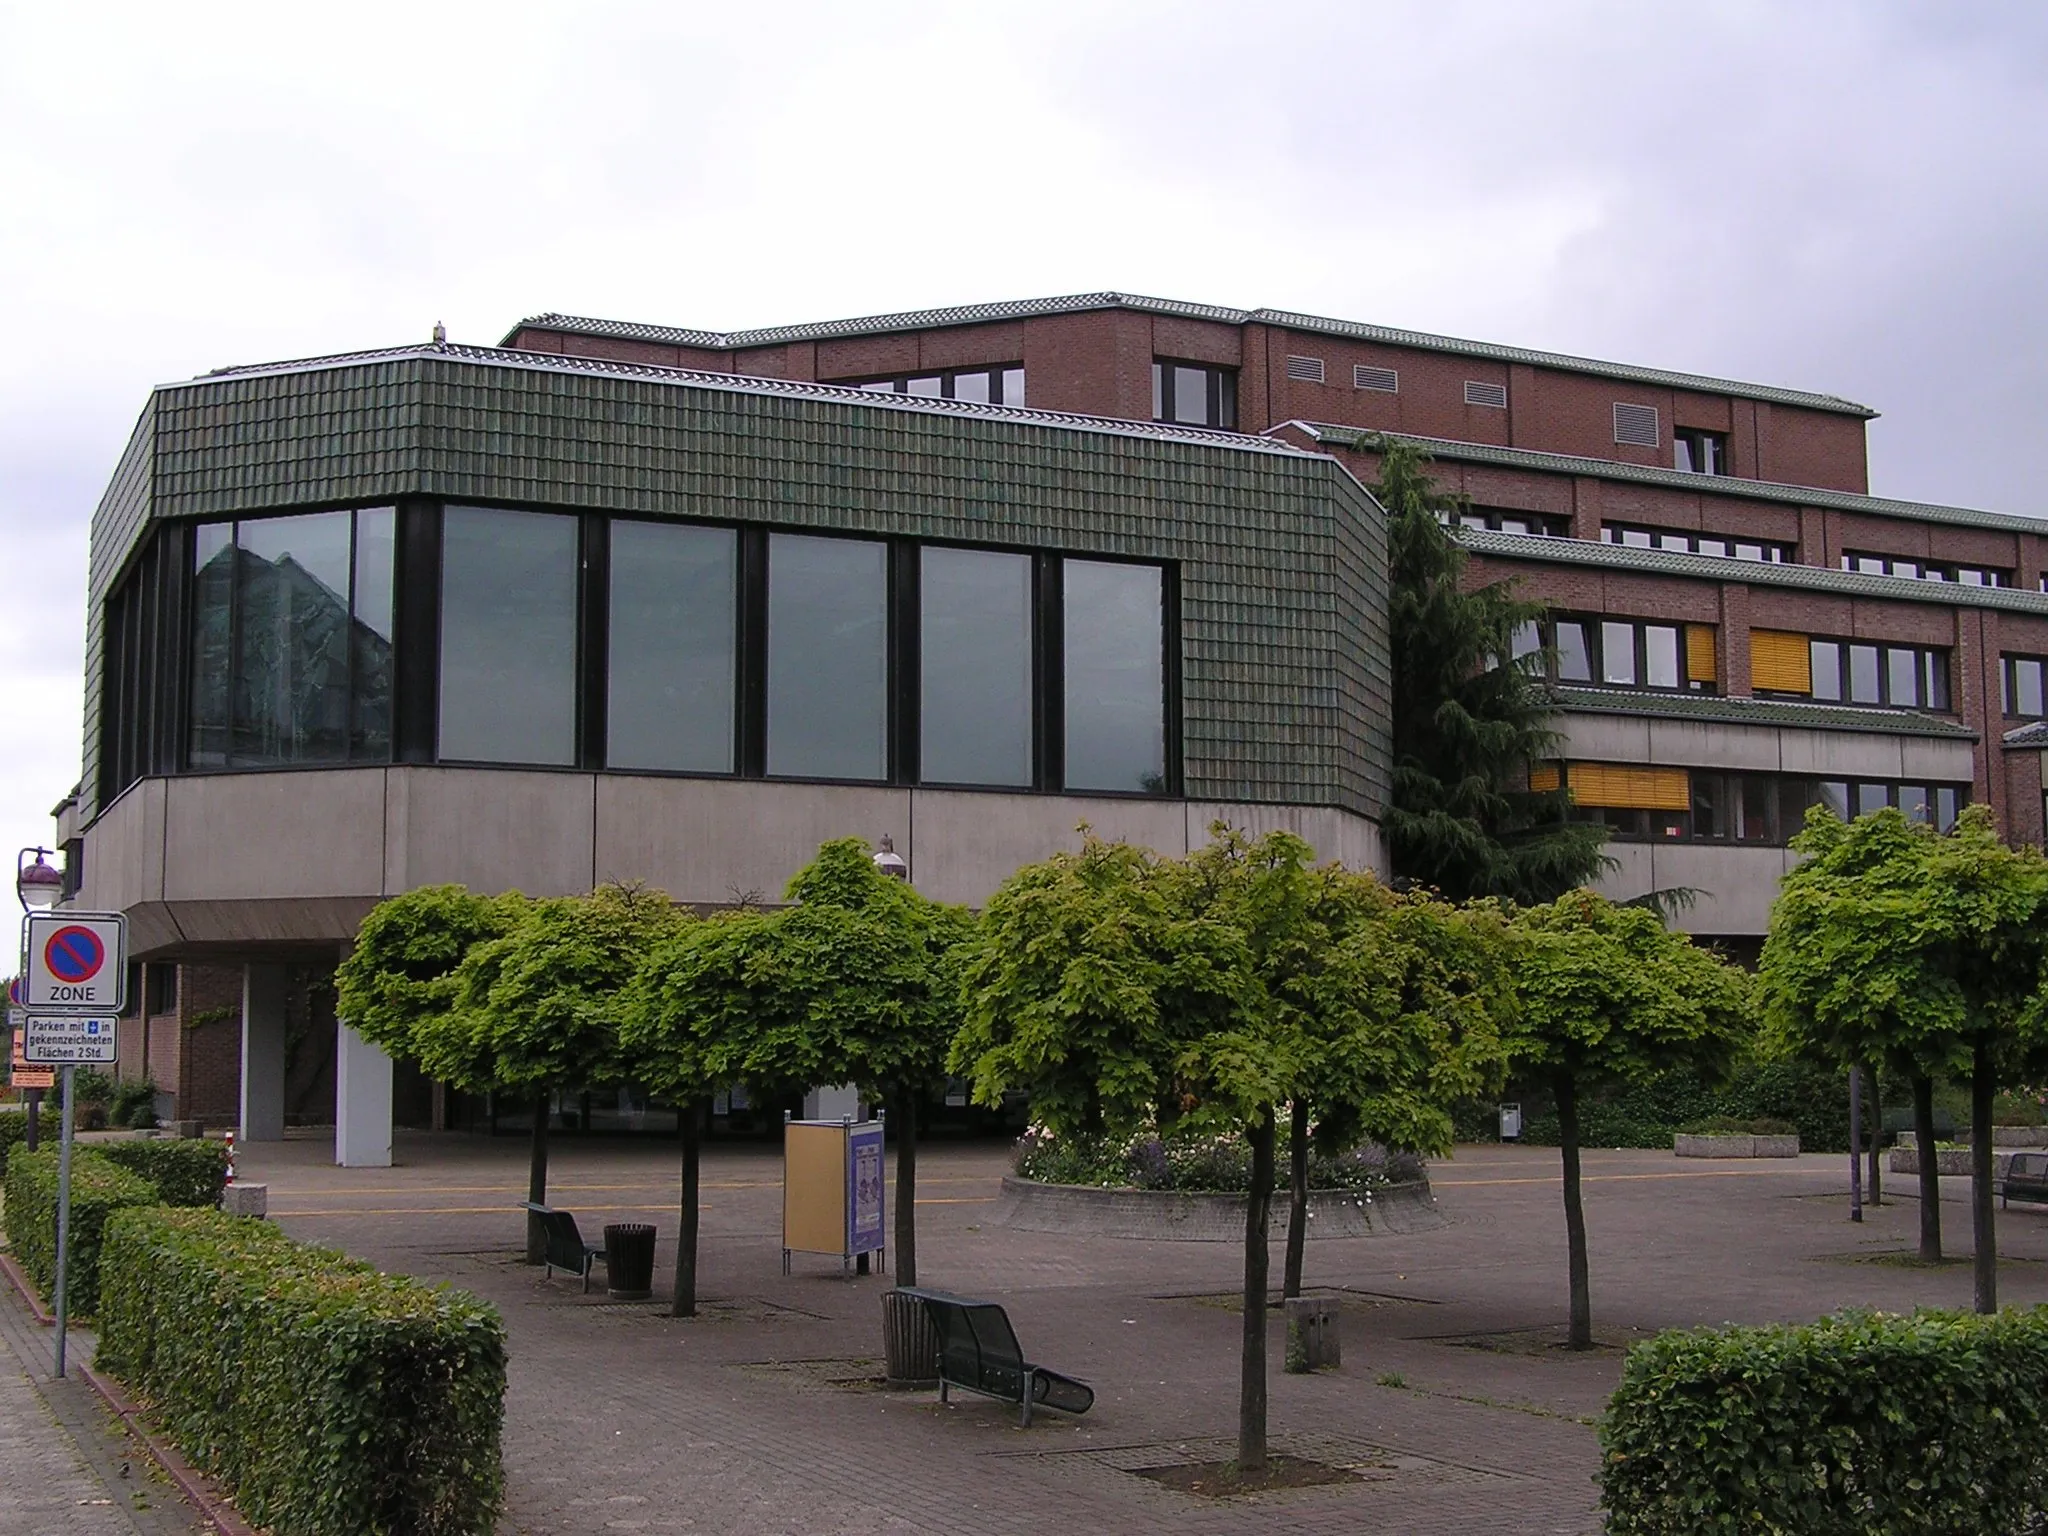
1638 802
1917 569
998 384
474 634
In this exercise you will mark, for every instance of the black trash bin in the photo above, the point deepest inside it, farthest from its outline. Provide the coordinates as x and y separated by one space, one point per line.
629 1260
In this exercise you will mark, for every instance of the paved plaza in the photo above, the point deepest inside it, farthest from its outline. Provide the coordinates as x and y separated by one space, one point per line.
764 1415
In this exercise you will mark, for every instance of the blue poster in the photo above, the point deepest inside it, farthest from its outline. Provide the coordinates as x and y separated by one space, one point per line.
865 1205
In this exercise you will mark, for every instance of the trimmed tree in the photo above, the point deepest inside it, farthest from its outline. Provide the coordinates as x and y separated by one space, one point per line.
1606 995
540 1006
1119 988
1893 941
1399 1006
1468 718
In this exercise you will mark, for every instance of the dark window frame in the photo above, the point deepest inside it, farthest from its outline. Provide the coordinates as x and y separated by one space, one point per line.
416 629
1788 796
1949 572
1697 444
1220 382
2009 663
1591 624
997 375
1642 536
1931 662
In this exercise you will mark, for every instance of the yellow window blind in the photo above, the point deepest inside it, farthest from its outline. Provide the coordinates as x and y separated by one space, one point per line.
1699 653
1543 777
1780 662
1631 787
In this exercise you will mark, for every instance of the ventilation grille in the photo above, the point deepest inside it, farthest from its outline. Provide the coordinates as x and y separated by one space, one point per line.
1495 395
1309 370
1366 376
1635 424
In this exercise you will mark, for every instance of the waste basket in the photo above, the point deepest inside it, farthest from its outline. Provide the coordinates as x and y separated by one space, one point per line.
629 1260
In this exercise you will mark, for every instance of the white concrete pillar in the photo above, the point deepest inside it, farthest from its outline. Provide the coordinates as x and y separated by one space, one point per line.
362 1101
263 1028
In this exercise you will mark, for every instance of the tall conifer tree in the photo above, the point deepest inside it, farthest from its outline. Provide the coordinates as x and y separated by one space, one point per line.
1468 720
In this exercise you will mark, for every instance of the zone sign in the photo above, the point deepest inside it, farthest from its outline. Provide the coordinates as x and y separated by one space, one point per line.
77 962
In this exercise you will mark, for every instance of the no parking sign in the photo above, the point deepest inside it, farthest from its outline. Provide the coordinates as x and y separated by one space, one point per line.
77 962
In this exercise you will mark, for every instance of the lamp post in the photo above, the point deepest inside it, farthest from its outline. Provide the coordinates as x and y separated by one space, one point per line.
37 887
890 862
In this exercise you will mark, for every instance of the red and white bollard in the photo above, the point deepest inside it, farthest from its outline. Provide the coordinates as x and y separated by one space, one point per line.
231 1157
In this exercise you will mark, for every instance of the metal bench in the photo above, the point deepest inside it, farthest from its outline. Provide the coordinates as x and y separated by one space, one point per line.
979 1352
565 1246
2026 1179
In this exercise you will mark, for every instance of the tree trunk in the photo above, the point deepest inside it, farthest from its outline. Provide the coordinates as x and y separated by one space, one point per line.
1581 1332
1251 1390
1297 1198
1930 1175
1982 1160
683 1302
1876 1137
537 1183
905 1110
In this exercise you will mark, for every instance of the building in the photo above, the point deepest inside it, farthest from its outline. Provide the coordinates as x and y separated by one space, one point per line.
365 623
634 601
1742 628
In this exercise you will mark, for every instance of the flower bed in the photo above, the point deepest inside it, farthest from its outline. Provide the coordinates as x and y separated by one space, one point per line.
1196 1163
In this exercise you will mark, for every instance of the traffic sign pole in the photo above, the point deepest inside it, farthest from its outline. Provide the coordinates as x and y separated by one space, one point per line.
63 1213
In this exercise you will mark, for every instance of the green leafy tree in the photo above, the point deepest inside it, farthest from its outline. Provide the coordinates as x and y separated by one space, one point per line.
1399 1000
695 993
398 985
858 984
539 1007
1892 942
852 983
1120 989
1605 996
1467 719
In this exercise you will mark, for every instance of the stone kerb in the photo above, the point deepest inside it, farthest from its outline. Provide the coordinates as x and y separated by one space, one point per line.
1949 1162
1735 1146
1172 1215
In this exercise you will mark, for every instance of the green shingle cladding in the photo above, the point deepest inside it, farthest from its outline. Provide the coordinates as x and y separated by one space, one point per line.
1285 685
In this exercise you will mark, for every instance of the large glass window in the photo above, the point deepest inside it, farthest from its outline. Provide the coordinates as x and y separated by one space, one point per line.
2021 687
974 648
1755 808
1626 653
1001 385
1902 676
828 657
291 640
672 648
1115 677
508 636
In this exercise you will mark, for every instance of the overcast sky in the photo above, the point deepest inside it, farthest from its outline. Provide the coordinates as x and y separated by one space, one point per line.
1841 197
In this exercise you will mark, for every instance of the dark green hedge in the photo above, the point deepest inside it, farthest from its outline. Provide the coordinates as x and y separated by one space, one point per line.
185 1172
98 1189
1812 1098
334 1400
14 1129
1860 1424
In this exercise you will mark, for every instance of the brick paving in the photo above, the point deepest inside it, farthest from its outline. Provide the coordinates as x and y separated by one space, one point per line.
622 1419
67 1466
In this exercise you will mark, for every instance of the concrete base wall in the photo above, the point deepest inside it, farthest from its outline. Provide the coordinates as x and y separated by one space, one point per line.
1736 1146
1174 1216
292 861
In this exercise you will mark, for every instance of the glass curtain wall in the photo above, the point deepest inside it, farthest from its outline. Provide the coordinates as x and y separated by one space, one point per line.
1115 677
672 650
974 695
828 657
508 637
291 640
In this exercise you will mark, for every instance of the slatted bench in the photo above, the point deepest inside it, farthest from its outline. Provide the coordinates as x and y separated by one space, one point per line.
2026 1179
979 1352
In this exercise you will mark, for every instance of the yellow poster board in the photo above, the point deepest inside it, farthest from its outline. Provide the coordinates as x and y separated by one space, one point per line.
833 1195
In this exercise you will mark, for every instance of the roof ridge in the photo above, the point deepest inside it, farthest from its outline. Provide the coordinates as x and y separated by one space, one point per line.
740 383
1008 309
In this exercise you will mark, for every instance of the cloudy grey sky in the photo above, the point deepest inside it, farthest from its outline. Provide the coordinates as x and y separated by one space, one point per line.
1838 196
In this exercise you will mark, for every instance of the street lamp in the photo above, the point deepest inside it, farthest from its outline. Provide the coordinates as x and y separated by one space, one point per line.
890 862
36 884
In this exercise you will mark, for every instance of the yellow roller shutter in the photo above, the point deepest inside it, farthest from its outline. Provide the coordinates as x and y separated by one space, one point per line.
1780 662
1699 653
1631 787
1544 778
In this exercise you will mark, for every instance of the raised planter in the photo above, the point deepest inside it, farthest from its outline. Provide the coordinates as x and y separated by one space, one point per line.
1177 1216
1949 1162
1735 1146
2019 1136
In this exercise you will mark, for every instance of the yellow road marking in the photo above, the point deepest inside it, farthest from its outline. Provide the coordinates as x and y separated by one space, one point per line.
1618 1178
